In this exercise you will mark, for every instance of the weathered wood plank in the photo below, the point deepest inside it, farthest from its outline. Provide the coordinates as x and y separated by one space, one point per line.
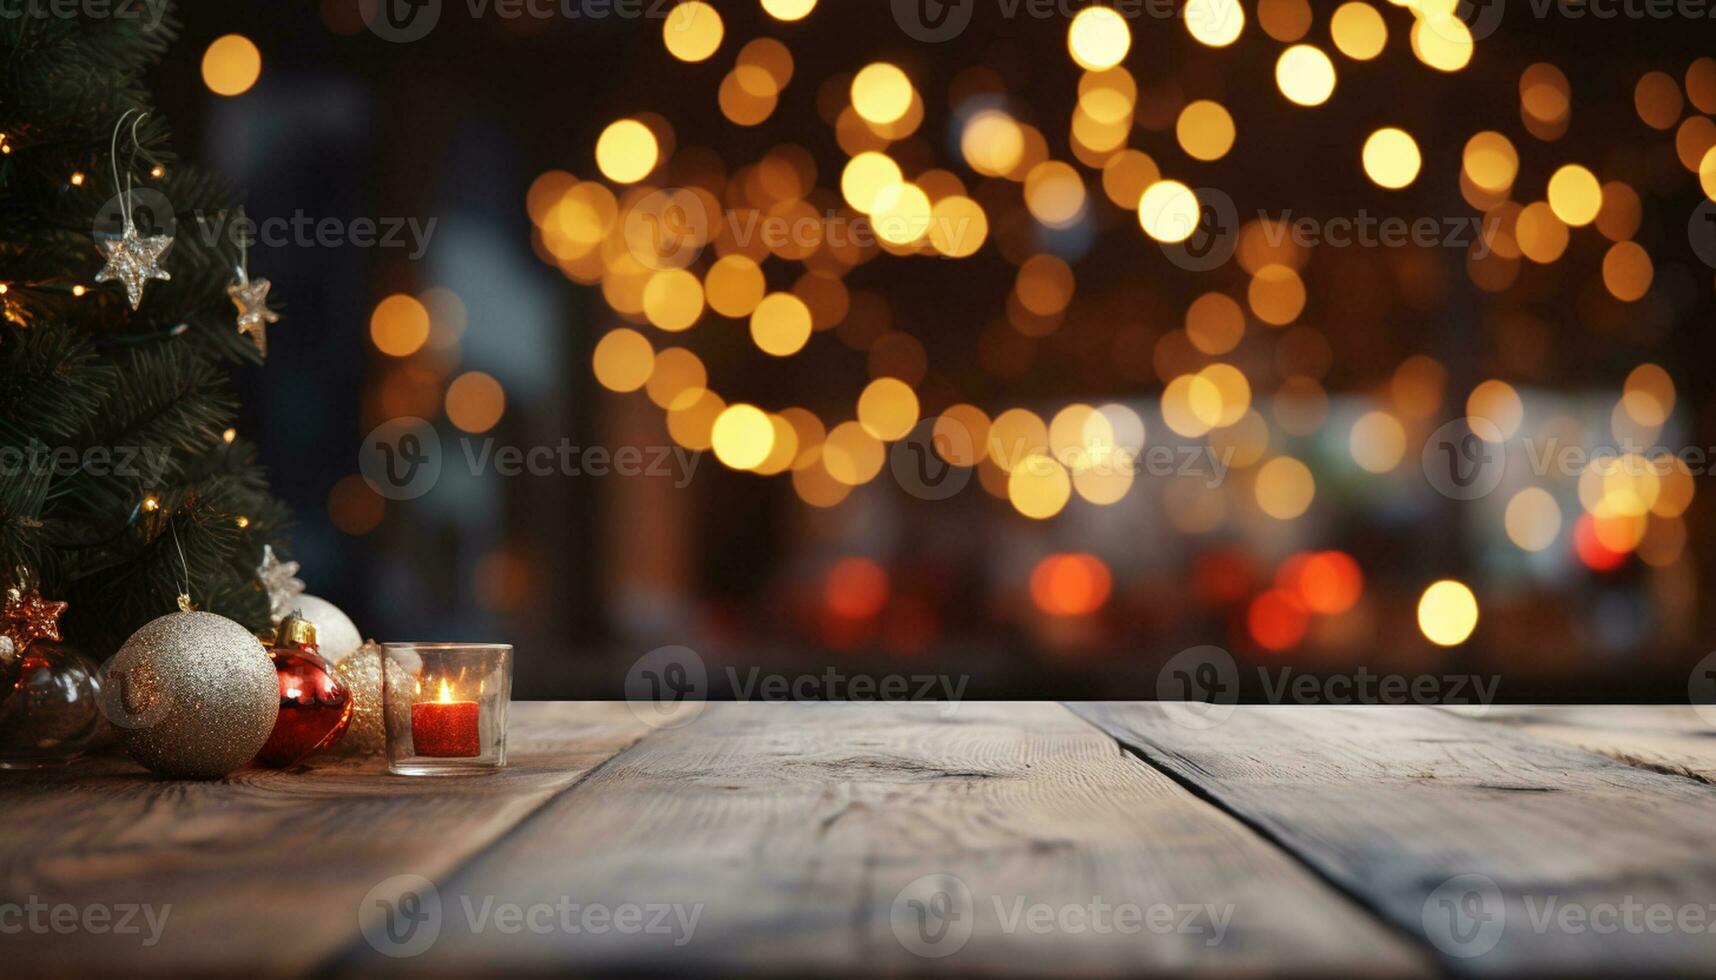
797 832
264 870
1394 803
1673 739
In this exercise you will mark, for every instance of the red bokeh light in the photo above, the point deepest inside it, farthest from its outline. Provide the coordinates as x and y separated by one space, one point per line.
1596 555
856 588
1277 620
1070 585
1326 582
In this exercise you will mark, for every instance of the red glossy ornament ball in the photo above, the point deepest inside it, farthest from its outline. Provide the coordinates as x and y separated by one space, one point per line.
315 705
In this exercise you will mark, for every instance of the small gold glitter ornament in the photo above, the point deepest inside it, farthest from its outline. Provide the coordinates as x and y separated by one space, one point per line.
192 694
367 733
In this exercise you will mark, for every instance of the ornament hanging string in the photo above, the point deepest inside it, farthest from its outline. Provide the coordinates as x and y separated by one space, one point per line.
130 161
185 604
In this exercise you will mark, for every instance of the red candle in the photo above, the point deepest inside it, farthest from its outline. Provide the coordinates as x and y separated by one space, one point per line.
445 728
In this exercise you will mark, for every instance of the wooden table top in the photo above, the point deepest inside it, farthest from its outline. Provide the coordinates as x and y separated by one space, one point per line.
1025 837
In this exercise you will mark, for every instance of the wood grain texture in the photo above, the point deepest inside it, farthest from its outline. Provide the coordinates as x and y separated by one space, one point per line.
264 869
1669 739
1390 803
801 833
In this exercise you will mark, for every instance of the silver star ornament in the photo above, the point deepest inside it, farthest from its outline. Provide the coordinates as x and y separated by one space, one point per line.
280 580
134 259
254 316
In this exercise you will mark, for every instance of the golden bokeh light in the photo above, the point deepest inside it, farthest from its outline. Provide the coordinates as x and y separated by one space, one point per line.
623 360
1169 211
1305 75
865 177
789 10
781 324
1205 130
1627 271
1447 613
1217 23
1054 193
1276 295
1377 442
231 65
475 402
1215 323
1358 31
1098 38
852 455
626 151
1491 161
692 31
676 379
1648 395
742 436
1285 488
673 299
887 409
734 286
1497 403
881 93
1391 158
1575 195
399 327
1039 487
1532 519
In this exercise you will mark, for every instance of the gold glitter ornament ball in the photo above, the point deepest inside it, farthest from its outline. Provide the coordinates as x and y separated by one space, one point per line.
362 672
193 695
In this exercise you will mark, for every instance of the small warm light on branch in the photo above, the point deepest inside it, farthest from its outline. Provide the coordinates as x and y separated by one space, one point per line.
78 290
151 505
228 436
77 179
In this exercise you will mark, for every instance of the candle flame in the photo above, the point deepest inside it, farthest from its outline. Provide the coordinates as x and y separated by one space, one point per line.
446 693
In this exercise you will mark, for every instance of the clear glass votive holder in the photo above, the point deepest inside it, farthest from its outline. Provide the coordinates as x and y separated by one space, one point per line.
445 707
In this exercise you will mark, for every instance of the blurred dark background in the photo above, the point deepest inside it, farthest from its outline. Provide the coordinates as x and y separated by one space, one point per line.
585 574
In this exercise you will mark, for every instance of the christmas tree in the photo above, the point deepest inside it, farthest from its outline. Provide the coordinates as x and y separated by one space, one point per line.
121 476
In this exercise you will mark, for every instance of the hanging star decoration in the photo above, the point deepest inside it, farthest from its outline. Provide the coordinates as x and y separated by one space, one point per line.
254 316
134 259
26 617
280 580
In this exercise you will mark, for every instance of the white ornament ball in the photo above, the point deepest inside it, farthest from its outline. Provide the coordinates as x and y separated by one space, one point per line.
336 635
192 695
